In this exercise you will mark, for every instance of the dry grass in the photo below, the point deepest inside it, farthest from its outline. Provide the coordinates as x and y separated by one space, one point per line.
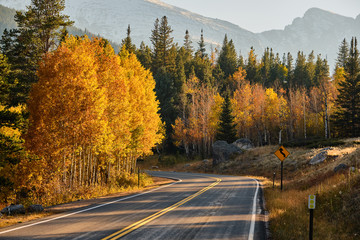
11 220
338 194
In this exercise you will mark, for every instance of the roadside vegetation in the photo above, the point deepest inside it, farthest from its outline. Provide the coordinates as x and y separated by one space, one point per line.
337 210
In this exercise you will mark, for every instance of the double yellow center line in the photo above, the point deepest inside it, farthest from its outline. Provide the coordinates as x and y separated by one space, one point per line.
148 219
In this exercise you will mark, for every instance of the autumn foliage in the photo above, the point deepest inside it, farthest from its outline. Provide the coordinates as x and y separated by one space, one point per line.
92 113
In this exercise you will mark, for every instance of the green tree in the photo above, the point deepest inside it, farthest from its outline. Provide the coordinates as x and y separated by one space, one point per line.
228 57
201 50
37 33
347 113
129 46
321 71
162 44
188 43
227 128
252 72
343 54
301 75
290 67
143 54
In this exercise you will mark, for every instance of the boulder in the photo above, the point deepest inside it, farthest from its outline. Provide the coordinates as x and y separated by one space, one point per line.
339 167
36 208
243 144
13 209
205 161
319 158
187 165
222 152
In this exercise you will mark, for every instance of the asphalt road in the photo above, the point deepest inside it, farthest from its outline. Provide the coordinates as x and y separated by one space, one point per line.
198 206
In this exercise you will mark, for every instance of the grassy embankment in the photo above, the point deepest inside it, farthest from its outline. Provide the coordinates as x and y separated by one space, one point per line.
337 213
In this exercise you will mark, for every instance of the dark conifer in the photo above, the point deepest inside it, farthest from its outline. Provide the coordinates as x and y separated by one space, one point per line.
127 43
228 57
347 115
38 32
188 43
162 44
227 128
343 54
202 50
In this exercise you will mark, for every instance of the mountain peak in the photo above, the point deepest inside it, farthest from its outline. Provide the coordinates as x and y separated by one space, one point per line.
316 13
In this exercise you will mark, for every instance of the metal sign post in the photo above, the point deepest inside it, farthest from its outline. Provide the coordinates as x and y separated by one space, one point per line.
311 205
282 153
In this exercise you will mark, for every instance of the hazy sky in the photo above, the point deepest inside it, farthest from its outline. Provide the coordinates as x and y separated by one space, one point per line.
262 15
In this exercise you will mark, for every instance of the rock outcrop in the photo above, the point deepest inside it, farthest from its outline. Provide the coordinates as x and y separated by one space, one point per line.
13 209
222 152
243 144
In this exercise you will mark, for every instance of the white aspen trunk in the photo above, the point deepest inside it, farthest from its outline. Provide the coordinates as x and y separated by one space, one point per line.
64 168
304 118
75 173
88 167
280 137
326 118
71 171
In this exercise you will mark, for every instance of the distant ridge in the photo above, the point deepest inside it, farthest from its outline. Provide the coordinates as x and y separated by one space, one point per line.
317 30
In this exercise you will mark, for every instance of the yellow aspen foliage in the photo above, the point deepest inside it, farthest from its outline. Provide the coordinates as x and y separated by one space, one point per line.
276 110
237 80
67 104
91 108
242 108
144 118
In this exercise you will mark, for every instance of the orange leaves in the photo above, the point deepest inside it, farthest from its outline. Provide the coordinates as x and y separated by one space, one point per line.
200 116
88 96
259 109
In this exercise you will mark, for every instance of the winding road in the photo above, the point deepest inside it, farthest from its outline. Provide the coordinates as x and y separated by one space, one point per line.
197 206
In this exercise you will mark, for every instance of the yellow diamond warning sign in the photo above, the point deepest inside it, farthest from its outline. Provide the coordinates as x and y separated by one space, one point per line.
282 153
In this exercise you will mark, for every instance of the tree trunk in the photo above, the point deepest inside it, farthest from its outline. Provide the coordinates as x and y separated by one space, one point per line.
280 137
326 118
304 118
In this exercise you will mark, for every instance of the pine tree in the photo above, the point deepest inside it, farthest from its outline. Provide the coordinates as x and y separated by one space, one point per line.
162 44
228 58
164 55
227 128
347 115
301 74
202 50
252 72
265 67
38 32
187 42
129 46
321 71
143 54
290 68
343 54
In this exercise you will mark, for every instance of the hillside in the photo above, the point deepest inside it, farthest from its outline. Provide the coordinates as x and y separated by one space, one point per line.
317 30
337 191
7 22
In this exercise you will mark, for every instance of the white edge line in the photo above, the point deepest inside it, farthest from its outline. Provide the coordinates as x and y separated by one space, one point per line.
88 209
253 217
